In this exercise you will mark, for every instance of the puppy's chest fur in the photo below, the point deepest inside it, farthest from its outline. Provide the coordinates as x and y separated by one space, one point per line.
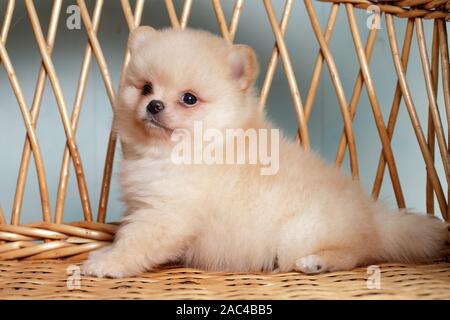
216 200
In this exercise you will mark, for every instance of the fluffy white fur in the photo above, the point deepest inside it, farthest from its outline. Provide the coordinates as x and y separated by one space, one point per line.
307 217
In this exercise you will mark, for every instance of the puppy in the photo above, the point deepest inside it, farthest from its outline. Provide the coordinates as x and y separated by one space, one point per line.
305 216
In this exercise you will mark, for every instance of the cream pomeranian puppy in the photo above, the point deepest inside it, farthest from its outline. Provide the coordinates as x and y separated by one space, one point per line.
305 216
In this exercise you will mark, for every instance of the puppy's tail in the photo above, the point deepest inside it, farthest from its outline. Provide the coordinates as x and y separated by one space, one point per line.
407 237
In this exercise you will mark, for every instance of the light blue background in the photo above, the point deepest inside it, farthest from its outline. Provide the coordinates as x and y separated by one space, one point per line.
254 29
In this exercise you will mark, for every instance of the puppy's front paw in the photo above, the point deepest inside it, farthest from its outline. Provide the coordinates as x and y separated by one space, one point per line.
104 263
311 264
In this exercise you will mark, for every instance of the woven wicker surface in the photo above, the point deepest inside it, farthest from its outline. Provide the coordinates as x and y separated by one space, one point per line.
48 280
427 9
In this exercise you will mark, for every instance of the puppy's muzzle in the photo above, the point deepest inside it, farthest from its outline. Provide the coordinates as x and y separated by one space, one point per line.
155 106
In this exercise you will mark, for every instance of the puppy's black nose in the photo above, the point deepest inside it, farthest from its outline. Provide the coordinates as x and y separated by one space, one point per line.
155 106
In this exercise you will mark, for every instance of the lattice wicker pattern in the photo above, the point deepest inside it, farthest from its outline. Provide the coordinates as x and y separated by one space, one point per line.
49 280
51 238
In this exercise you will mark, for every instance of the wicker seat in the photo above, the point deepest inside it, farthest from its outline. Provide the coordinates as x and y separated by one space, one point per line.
49 280
41 260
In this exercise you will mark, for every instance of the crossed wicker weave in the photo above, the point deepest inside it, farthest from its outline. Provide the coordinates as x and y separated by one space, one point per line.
427 9
54 280
52 238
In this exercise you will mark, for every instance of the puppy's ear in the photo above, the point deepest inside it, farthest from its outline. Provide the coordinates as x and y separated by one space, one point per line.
244 65
139 36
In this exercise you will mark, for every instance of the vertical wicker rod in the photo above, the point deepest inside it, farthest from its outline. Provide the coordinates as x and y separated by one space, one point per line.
7 20
445 67
357 89
395 107
62 106
437 123
35 109
429 195
413 115
288 70
135 21
221 20
172 14
128 13
186 13
2 218
273 62
76 109
29 127
4 37
315 77
95 45
378 116
338 87
237 10
107 170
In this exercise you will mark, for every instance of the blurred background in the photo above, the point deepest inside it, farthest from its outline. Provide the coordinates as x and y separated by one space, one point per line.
254 29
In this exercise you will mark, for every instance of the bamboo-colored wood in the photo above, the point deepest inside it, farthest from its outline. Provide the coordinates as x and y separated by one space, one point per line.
10 237
72 239
76 109
273 62
33 232
443 49
354 101
172 14
186 13
110 153
62 106
22 171
74 231
51 279
395 107
288 70
413 115
108 228
95 45
437 122
98 53
429 195
228 31
11 246
128 13
426 9
237 10
107 176
2 216
314 83
7 20
221 20
378 116
35 109
338 87
43 188
65 249
30 251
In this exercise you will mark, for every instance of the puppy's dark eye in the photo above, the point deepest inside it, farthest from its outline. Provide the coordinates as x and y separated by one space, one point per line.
189 99
147 89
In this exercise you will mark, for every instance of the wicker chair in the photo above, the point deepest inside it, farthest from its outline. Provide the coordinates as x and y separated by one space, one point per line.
41 260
